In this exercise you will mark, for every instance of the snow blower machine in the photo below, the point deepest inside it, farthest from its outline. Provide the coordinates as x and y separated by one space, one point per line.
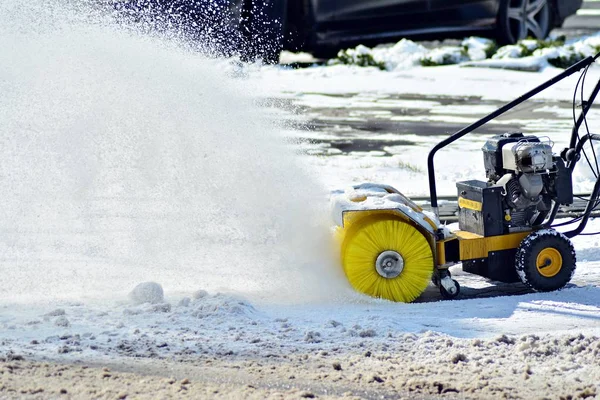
391 248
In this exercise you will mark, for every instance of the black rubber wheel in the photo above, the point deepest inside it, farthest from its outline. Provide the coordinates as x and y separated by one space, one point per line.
545 260
520 19
449 296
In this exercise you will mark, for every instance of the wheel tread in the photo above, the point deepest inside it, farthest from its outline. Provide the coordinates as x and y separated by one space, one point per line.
526 256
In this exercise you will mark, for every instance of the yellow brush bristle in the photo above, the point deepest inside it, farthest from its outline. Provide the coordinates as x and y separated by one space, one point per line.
364 240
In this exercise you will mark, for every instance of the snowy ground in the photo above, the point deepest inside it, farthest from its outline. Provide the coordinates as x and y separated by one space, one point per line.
126 160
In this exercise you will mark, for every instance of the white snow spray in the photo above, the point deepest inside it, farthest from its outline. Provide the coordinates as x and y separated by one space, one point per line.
124 158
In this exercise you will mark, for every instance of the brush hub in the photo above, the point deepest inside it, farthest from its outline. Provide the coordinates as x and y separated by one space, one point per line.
389 264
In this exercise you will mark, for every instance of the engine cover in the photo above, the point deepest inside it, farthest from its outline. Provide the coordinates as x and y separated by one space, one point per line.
527 157
524 180
493 157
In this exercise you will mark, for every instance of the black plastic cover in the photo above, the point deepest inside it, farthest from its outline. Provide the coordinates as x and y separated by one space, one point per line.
498 266
563 184
490 220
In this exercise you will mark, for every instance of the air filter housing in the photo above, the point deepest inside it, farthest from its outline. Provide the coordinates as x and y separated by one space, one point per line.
493 157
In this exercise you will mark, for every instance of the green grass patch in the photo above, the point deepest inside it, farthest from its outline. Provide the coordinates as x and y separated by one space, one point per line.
359 58
444 56
409 167
569 57
530 45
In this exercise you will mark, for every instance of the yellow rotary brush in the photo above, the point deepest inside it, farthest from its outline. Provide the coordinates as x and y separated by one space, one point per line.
386 257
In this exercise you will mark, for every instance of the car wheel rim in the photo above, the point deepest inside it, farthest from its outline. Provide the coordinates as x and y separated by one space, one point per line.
528 18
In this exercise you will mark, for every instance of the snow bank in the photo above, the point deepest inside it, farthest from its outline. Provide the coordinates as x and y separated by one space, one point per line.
407 54
526 55
402 55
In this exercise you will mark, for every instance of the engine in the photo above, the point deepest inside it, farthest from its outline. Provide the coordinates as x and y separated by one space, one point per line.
524 180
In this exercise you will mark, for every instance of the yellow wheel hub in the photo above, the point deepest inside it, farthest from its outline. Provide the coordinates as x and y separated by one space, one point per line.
549 262
387 258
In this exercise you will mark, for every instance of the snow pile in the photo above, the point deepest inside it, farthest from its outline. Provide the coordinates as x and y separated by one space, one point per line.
444 56
361 56
569 54
471 49
404 54
479 48
221 306
588 46
533 55
527 54
407 54
147 292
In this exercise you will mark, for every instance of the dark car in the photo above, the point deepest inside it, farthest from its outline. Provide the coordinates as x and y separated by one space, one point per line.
262 28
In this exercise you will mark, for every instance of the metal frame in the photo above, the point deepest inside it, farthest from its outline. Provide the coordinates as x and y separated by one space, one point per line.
576 142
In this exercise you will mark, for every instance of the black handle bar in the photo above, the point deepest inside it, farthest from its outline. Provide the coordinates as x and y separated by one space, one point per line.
430 166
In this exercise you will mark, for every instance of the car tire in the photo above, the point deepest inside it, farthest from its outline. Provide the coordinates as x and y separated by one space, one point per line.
520 19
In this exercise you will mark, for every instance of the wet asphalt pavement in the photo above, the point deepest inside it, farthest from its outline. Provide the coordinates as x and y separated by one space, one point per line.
387 121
